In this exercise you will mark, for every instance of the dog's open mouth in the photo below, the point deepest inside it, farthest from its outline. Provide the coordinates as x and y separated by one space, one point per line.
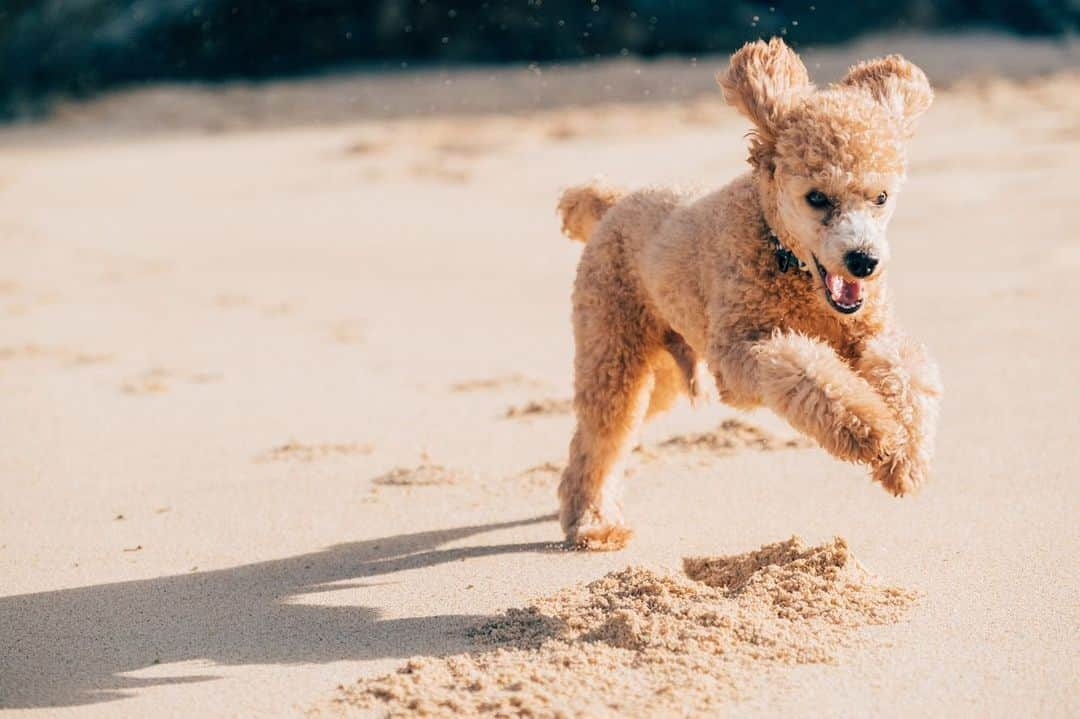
845 296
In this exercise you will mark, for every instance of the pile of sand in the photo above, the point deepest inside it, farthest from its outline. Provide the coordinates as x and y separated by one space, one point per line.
495 383
733 434
303 452
642 643
542 407
422 475
160 380
33 351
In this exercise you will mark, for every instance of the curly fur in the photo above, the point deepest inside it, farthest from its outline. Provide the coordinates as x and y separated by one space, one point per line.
667 280
582 207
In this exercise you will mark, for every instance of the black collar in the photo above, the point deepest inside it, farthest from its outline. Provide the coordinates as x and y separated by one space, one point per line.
785 258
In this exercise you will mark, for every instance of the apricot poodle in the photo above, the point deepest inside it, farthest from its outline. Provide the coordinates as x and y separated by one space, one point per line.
776 282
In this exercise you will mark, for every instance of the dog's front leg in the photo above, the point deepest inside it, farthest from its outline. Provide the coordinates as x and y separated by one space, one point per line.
807 383
909 382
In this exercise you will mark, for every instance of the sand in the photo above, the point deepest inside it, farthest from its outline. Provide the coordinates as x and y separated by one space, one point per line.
540 407
733 434
255 377
423 475
301 452
642 643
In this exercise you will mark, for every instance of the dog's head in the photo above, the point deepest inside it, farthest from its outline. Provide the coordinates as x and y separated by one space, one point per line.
829 162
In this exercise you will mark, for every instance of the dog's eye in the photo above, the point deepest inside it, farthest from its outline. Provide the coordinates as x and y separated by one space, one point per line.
816 198
881 199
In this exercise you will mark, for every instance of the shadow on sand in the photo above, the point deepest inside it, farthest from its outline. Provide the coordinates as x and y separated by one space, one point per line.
70 647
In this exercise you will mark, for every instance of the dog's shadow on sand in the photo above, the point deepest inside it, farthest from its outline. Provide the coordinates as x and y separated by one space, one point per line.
70 647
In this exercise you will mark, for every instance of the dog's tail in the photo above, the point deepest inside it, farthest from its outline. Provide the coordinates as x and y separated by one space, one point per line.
581 207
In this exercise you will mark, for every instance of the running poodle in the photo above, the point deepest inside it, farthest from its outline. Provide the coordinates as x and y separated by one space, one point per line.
776 282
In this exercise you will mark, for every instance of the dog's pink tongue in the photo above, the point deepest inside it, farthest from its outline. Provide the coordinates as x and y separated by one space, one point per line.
843 292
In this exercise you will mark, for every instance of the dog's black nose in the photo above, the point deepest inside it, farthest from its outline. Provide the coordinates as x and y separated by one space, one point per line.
860 264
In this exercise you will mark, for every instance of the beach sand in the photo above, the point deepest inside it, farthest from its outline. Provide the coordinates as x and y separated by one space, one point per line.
284 405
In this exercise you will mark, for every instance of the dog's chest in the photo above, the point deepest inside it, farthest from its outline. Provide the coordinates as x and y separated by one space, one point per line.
796 307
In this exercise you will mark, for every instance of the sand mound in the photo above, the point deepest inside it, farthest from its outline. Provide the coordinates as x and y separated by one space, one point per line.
731 435
64 354
638 642
160 380
303 452
492 383
424 475
540 408
541 475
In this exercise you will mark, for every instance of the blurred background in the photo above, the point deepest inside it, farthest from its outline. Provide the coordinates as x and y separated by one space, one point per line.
52 49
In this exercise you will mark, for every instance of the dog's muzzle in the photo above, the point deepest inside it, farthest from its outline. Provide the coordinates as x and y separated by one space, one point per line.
845 296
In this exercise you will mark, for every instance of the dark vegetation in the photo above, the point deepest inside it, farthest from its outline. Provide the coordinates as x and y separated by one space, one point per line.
79 47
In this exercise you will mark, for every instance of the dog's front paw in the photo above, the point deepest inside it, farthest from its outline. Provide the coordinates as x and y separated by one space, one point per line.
596 532
900 474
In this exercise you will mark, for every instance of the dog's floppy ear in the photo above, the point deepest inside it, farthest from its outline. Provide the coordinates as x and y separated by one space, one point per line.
762 82
895 83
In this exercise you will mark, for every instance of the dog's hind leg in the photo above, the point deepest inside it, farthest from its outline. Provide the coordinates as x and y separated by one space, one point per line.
669 382
674 369
616 341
